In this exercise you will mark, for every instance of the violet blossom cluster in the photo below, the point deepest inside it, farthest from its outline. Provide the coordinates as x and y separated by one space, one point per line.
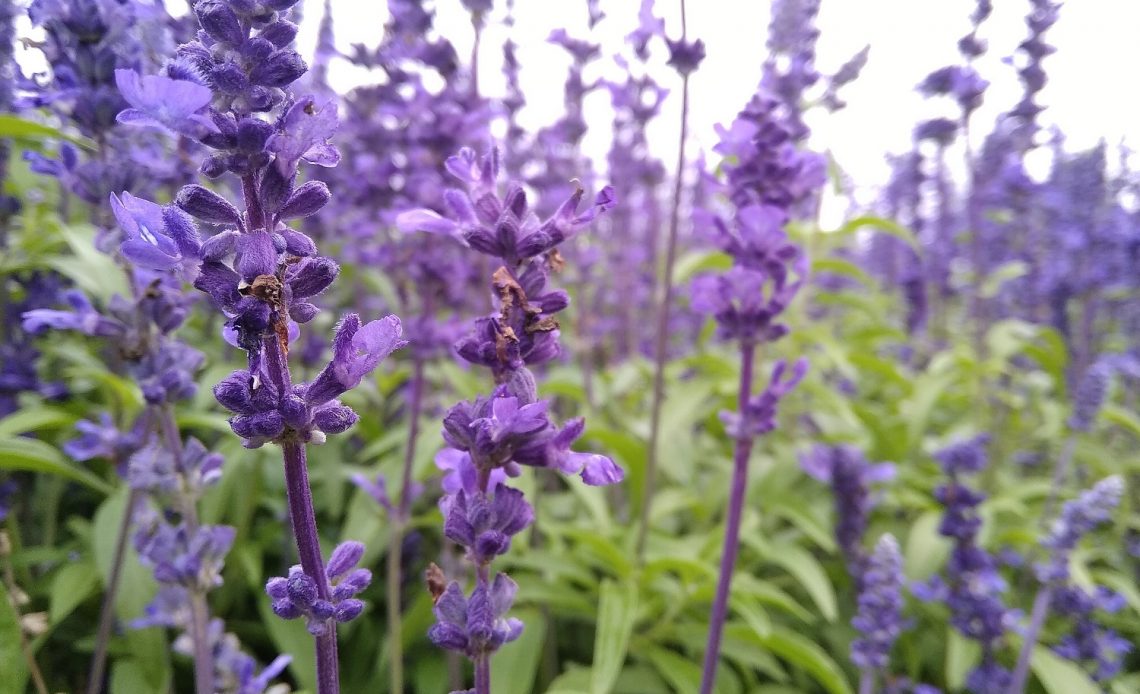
491 438
169 472
973 586
879 614
851 478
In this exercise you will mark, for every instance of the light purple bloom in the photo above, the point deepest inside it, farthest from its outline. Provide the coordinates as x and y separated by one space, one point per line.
166 103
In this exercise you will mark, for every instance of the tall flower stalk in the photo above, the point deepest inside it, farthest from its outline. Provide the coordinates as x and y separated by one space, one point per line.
1079 517
685 57
748 299
230 90
489 438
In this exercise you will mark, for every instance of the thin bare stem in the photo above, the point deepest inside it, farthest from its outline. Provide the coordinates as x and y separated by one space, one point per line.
107 609
732 528
662 337
1036 621
867 682
25 646
396 539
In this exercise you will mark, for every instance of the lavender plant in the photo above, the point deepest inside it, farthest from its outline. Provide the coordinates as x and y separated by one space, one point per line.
748 300
229 89
489 438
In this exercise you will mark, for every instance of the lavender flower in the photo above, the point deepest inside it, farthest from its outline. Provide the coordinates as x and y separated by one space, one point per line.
973 585
879 615
851 478
511 427
1078 518
1088 640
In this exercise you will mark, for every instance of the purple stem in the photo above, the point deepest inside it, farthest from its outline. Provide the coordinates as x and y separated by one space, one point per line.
304 521
301 513
662 337
1036 621
732 528
867 682
483 660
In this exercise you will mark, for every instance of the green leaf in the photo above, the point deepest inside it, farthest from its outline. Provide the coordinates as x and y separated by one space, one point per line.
23 421
291 637
810 574
1007 272
1060 676
515 665
19 453
881 225
617 610
962 655
682 674
72 584
806 655
12 662
926 550
838 266
26 131
696 262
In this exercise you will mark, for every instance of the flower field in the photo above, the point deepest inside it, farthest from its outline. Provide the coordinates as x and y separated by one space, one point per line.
383 388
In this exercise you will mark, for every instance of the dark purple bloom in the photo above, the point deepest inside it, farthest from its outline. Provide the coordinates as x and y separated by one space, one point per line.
477 626
297 595
850 477
485 524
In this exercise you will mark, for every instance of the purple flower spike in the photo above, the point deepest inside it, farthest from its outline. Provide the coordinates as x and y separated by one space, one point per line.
879 618
166 103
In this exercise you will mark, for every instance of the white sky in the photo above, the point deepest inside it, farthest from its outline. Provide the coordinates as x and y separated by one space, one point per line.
1090 93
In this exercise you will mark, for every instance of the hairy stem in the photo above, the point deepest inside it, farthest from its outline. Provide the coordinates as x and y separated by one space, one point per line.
662 337
301 513
732 528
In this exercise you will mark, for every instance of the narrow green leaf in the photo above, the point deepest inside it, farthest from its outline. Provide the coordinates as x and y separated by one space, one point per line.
617 610
515 665
881 225
24 130
962 655
18 453
1060 676
12 663
291 637
682 674
810 574
806 655
926 550
24 421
